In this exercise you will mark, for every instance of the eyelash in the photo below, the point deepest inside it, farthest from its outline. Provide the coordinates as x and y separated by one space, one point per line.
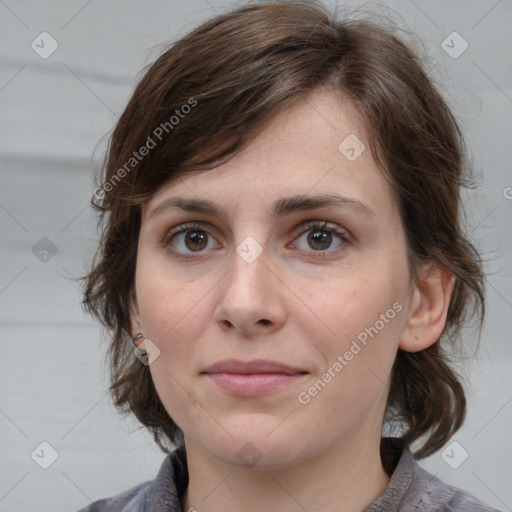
309 226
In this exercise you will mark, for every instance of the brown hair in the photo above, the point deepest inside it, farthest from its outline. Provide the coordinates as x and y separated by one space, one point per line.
209 95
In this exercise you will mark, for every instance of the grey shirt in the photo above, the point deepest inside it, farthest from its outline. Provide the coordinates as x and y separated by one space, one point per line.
410 489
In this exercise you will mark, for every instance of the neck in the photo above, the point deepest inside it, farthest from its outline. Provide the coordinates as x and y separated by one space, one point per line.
346 478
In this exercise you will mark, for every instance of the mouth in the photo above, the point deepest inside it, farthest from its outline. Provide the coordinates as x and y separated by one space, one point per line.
252 378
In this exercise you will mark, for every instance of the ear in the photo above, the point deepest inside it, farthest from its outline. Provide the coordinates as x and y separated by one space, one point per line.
428 308
135 324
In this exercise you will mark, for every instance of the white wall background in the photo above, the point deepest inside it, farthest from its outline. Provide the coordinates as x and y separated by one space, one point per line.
53 113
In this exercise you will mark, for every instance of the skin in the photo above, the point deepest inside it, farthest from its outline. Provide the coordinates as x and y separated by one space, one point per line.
298 302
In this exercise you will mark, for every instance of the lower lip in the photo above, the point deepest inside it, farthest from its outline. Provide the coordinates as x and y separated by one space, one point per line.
253 384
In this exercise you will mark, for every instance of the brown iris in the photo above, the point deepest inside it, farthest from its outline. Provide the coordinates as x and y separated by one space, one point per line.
198 240
323 238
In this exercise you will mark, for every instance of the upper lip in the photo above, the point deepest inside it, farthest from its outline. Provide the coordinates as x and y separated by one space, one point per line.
254 366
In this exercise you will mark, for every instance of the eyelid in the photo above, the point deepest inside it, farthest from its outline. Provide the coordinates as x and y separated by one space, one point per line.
199 225
322 225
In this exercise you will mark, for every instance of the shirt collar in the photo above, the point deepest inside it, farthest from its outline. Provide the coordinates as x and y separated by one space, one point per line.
400 464
165 492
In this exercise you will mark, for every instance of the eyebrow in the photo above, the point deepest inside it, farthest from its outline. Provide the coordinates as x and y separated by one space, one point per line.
280 208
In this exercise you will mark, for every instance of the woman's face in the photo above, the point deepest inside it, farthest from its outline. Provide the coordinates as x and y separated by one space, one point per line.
277 321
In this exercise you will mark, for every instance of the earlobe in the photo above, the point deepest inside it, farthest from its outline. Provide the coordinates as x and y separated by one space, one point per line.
428 309
136 328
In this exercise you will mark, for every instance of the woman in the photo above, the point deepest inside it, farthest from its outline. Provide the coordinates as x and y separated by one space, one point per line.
282 266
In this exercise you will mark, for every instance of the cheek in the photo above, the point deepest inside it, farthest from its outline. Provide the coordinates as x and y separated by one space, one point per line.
365 318
358 364
173 316
352 306
166 303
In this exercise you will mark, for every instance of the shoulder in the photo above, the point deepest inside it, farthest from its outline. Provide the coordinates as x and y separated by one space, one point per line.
437 496
413 489
164 492
131 500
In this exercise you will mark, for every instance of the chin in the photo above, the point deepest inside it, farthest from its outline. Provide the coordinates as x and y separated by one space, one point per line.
255 445
253 455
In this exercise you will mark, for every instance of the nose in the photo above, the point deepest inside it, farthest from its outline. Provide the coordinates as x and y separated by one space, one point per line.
250 299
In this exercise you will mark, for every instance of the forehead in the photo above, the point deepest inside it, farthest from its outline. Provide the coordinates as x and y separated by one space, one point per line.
318 146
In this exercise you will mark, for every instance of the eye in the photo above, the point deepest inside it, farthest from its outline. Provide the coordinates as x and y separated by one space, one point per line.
320 237
188 239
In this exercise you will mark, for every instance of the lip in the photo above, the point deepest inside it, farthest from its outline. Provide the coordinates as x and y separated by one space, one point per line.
252 378
254 366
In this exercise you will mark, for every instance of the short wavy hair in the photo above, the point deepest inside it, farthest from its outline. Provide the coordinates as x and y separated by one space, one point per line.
208 95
